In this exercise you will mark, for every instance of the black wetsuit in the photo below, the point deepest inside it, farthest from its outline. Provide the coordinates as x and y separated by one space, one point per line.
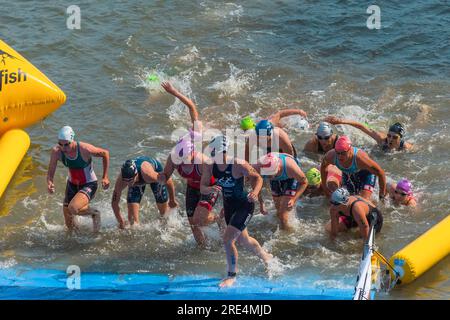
238 209
374 214
136 191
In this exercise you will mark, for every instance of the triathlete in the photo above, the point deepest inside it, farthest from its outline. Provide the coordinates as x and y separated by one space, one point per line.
82 181
238 203
136 174
348 212
359 171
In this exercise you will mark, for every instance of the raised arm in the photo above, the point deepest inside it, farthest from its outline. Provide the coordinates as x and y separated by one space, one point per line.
377 136
188 102
100 153
54 157
276 117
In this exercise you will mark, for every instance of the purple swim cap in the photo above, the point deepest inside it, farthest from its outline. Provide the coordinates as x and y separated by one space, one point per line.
405 186
184 147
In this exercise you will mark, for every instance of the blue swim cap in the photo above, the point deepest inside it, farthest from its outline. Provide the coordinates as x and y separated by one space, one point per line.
264 128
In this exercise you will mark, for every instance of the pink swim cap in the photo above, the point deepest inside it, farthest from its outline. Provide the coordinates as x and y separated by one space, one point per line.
405 186
343 144
269 164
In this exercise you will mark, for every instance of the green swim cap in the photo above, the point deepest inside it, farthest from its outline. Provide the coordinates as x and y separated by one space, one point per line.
153 78
313 176
247 123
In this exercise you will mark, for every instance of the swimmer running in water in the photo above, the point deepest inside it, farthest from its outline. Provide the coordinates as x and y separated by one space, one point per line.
348 212
358 169
394 139
402 194
82 181
238 204
287 182
136 174
188 162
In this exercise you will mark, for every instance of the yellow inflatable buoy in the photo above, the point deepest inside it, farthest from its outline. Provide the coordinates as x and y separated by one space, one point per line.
19 141
423 253
26 97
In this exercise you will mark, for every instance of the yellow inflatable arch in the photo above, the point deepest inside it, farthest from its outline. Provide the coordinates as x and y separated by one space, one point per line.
26 97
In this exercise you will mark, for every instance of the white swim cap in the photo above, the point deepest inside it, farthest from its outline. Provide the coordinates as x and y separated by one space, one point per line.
324 129
66 133
340 196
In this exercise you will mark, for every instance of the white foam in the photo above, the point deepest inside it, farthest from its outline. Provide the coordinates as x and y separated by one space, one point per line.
222 11
275 267
191 55
236 83
9 263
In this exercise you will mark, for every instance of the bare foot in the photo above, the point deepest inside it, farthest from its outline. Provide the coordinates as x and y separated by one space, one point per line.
227 282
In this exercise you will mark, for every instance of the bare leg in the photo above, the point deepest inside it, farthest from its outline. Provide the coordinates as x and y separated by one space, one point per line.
198 233
69 220
79 205
229 239
253 245
163 208
283 213
133 213
203 217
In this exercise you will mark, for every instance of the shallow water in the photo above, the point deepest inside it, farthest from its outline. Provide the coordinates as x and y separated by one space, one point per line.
233 59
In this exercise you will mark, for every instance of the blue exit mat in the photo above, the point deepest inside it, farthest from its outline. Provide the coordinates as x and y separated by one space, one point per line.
17 283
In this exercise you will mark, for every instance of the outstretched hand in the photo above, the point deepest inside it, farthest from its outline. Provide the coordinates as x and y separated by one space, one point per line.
169 88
